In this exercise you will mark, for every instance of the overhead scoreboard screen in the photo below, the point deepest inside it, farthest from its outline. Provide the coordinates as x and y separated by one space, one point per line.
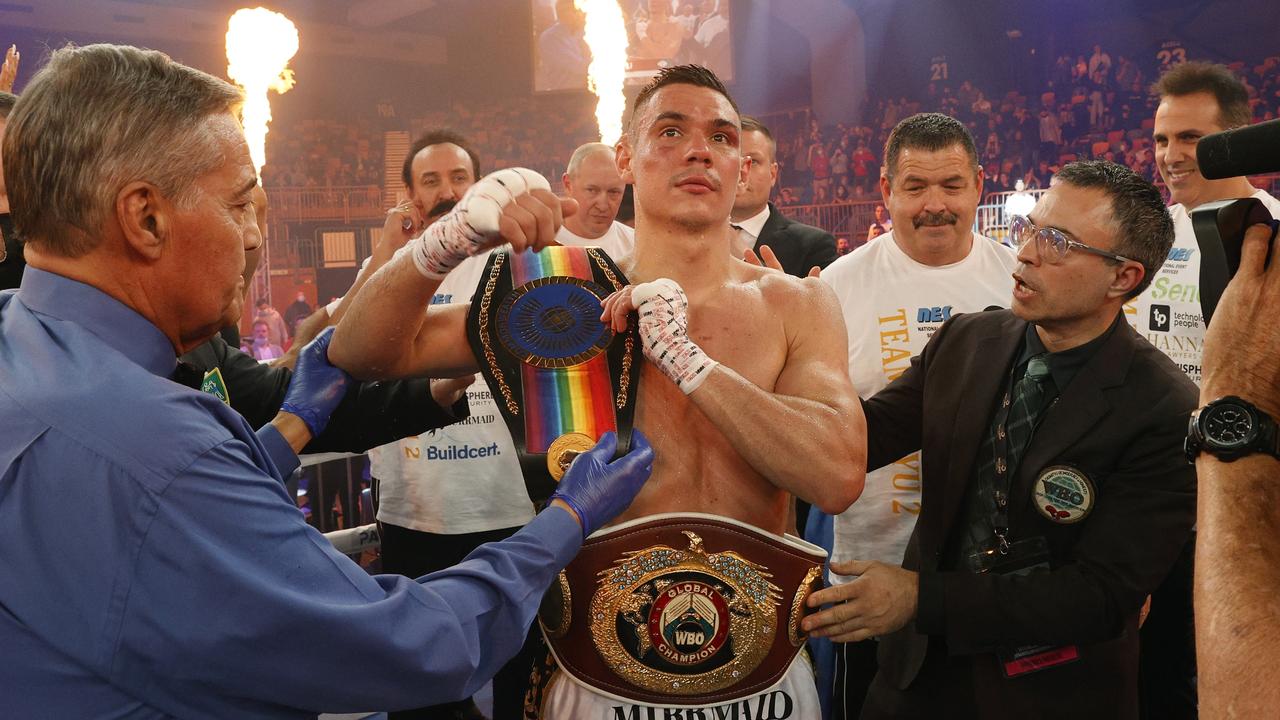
660 33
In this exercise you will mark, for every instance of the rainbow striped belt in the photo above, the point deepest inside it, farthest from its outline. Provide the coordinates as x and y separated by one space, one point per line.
561 377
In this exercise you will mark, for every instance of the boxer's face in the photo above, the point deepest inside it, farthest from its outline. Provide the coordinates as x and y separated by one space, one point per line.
933 198
683 158
441 173
598 188
1058 295
1180 123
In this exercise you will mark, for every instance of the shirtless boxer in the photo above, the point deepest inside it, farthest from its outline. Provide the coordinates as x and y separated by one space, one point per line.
751 405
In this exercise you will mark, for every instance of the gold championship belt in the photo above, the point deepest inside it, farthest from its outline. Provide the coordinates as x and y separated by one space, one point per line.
560 377
681 609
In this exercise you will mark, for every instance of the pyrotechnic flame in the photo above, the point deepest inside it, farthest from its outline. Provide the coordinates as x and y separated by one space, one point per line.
260 44
606 35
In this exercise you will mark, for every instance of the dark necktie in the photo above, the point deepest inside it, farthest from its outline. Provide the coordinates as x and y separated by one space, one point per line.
1026 402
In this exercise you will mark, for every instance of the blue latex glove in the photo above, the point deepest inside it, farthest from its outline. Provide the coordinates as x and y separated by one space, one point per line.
317 387
598 490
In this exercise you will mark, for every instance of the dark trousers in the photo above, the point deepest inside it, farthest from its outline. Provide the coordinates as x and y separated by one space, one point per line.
413 553
1167 654
855 668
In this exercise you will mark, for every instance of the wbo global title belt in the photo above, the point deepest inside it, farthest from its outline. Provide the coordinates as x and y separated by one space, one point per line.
684 608
560 377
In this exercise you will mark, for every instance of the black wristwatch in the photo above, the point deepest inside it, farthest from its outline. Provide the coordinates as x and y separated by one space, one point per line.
1230 428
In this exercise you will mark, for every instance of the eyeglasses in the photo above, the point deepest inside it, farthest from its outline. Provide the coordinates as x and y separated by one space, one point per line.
1052 244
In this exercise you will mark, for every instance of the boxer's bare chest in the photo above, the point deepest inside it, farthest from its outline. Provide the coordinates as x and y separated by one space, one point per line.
696 467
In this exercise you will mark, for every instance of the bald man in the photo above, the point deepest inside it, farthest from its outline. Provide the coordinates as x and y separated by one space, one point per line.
593 180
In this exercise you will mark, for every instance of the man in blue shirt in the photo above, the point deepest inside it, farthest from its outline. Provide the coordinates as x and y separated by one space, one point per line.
151 563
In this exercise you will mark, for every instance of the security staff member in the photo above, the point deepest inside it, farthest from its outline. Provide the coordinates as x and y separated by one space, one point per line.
1055 492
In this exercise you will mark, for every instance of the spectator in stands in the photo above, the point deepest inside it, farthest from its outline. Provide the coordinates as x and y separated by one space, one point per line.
881 225
299 309
864 167
787 198
1099 64
277 331
261 347
819 165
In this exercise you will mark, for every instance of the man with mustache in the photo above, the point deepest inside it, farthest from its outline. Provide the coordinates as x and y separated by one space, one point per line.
744 393
593 180
1055 493
436 505
895 292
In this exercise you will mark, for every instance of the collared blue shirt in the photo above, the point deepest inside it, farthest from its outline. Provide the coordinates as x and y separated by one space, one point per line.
152 564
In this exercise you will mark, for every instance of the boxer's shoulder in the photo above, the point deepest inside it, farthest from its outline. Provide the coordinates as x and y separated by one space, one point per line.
782 290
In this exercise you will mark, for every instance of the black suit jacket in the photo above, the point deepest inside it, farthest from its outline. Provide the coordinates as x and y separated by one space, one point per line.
1120 421
798 246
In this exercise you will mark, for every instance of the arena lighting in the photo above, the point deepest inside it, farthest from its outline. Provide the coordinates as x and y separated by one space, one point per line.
260 44
606 35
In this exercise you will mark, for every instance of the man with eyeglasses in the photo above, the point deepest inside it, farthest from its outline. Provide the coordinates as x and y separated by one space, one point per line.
1055 493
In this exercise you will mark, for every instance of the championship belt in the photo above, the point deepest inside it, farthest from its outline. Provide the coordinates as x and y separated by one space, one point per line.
681 609
560 377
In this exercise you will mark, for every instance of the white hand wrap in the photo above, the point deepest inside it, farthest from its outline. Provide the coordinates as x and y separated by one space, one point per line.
472 226
664 325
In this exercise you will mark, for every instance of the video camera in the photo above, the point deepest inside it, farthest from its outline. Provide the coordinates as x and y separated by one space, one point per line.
1220 225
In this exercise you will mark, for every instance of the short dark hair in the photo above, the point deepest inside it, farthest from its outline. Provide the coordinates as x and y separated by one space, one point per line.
930 132
750 124
7 99
1145 228
437 137
680 75
1189 78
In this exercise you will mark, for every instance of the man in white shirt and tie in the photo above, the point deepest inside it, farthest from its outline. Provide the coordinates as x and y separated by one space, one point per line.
799 247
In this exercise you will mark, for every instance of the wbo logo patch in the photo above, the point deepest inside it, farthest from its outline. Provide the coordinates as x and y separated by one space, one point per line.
1064 494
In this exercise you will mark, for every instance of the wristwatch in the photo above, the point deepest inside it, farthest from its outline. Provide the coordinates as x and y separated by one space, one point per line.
1230 428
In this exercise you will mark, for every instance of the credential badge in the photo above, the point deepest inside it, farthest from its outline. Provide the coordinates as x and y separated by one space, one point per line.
1064 494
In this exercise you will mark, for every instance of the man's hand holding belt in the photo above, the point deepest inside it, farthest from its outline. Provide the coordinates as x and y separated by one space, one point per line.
664 330
596 490
881 600
514 206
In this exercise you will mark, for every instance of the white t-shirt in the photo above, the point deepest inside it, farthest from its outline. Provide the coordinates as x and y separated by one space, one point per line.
1167 313
465 478
617 241
892 305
